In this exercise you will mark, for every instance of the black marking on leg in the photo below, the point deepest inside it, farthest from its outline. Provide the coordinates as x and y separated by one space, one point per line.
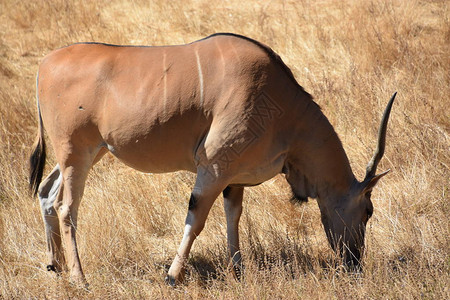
192 202
51 268
226 192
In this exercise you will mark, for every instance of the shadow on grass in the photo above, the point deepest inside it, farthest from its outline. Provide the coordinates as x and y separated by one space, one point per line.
291 266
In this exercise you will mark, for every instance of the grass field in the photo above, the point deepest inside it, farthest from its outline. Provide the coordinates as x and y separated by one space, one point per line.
350 55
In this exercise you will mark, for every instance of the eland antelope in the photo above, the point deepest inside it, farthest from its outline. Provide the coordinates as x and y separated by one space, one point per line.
226 108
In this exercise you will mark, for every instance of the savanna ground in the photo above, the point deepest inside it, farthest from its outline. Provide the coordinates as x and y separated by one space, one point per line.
351 56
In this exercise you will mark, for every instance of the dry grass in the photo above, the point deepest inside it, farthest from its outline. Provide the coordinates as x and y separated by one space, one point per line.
350 55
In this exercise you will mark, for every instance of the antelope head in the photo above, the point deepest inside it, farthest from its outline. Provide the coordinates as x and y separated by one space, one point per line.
345 220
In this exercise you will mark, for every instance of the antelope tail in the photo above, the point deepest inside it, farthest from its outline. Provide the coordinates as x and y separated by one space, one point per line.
37 158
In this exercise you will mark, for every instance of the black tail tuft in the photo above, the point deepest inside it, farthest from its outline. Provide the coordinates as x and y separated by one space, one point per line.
37 158
37 163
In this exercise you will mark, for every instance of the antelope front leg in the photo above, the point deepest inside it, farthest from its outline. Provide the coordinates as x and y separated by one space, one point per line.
199 206
232 197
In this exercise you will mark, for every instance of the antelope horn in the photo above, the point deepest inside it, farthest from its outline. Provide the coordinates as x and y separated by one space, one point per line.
379 151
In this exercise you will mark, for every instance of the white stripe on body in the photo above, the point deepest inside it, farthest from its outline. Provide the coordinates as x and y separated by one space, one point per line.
200 76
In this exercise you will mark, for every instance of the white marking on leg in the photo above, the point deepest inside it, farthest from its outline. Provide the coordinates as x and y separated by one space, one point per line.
48 191
190 219
200 76
176 270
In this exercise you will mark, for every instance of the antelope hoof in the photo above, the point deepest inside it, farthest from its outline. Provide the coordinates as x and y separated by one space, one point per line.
173 281
52 268
170 280
79 281
237 273
81 284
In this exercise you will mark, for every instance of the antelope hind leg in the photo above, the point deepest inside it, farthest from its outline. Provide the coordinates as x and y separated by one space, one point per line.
49 191
232 197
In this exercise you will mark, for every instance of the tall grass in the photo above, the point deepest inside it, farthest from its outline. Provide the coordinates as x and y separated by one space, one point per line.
350 55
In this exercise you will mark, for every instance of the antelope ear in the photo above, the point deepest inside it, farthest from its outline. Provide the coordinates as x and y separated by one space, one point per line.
369 183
